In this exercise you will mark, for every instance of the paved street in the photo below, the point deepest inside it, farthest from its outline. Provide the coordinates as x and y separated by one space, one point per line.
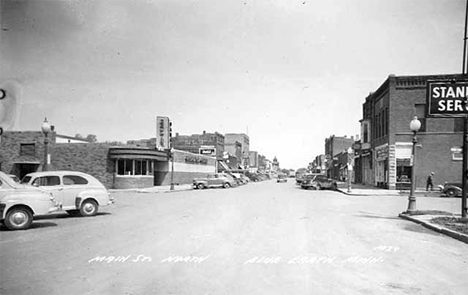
263 238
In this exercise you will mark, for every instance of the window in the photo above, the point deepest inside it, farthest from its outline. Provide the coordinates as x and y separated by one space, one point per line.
74 180
134 167
28 149
46 181
420 113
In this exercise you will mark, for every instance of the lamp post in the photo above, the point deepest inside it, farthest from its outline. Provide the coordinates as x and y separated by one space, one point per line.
414 126
171 151
350 168
46 130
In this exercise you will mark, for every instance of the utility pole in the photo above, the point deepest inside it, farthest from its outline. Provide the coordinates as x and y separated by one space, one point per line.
465 125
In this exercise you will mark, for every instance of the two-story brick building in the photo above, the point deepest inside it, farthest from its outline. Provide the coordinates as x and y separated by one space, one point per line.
386 139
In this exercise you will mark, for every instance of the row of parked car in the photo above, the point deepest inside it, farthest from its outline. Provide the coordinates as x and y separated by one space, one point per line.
228 179
41 193
316 181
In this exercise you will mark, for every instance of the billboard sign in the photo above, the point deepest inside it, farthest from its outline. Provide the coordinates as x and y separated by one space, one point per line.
162 133
207 151
447 98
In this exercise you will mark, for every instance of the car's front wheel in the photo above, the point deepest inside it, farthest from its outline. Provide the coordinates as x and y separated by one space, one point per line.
89 208
227 185
200 186
18 219
451 192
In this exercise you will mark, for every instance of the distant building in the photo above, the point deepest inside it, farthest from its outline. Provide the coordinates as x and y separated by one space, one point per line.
253 157
335 145
196 142
243 139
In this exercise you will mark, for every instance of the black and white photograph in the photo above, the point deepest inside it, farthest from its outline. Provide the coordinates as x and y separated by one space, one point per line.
233 147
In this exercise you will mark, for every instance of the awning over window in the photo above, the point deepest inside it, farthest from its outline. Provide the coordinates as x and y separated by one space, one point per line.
223 166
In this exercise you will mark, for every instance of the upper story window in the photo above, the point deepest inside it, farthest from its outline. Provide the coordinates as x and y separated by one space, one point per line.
28 149
420 110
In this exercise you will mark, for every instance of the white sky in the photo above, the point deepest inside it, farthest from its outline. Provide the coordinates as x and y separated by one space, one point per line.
291 73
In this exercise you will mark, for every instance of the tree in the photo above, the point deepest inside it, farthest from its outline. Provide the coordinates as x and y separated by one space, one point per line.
91 138
78 135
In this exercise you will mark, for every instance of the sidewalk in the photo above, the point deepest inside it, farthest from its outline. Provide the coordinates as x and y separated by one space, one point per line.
426 219
366 190
156 189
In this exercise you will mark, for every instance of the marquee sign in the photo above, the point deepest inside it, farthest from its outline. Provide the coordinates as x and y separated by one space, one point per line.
447 98
207 151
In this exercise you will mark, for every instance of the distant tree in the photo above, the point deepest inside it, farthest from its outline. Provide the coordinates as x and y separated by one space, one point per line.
91 138
78 135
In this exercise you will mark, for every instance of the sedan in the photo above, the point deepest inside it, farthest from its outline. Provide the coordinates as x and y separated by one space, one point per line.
451 189
319 182
19 204
79 193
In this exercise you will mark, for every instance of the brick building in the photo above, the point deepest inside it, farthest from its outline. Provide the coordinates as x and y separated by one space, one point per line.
386 139
335 145
243 139
22 152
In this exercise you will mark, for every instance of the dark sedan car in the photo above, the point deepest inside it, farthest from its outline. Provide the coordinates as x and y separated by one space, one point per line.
451 189
318 182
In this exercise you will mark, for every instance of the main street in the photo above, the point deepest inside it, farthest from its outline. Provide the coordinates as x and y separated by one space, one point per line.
262 238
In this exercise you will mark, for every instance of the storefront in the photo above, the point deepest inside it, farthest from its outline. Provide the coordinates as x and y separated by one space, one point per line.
381 166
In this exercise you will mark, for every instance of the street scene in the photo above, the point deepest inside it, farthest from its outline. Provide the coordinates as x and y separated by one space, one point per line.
233 147
262 238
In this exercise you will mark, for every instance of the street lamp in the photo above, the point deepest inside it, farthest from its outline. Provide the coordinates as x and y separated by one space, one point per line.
350 168
46 130
414 126
171 151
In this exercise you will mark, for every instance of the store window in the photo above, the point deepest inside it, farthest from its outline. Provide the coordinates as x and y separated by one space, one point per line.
134 167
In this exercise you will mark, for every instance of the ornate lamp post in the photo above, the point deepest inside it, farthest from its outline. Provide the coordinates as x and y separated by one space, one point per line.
171 151
350 168
46 130
414 126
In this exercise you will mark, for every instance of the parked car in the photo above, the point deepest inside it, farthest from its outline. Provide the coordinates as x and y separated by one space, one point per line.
451 189
79 193
318 181
213 180
239 179
15 178
282 178
19 204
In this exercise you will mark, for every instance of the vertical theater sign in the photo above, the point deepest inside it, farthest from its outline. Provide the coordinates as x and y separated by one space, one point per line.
162 133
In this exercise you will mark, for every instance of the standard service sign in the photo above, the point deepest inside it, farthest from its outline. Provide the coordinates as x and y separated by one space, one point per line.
447 98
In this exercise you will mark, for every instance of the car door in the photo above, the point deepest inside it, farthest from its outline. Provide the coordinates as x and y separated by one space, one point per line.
51 184
72 186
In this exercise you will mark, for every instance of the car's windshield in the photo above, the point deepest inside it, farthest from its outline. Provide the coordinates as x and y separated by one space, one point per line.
26 179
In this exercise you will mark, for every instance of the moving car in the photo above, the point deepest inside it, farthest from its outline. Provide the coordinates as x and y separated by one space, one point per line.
19 203
318 181
213 180
282 178
451 189
79 193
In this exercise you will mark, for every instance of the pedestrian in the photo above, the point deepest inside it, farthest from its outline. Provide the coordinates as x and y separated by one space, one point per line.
429 182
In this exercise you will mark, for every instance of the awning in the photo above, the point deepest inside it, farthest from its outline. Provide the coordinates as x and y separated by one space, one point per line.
223 166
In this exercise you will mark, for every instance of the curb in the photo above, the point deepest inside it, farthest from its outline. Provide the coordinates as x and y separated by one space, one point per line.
456 235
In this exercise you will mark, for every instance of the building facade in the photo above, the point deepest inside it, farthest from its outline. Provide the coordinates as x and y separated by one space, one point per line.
244 140
386 139
335 145
116 167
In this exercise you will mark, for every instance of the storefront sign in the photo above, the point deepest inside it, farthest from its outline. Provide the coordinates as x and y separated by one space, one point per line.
162 133
207 151
381 153
195 160
447 98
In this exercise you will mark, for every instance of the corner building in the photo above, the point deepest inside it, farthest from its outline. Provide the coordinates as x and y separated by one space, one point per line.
386 139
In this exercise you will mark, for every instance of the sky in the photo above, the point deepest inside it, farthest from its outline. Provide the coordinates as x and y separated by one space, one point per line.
287 73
